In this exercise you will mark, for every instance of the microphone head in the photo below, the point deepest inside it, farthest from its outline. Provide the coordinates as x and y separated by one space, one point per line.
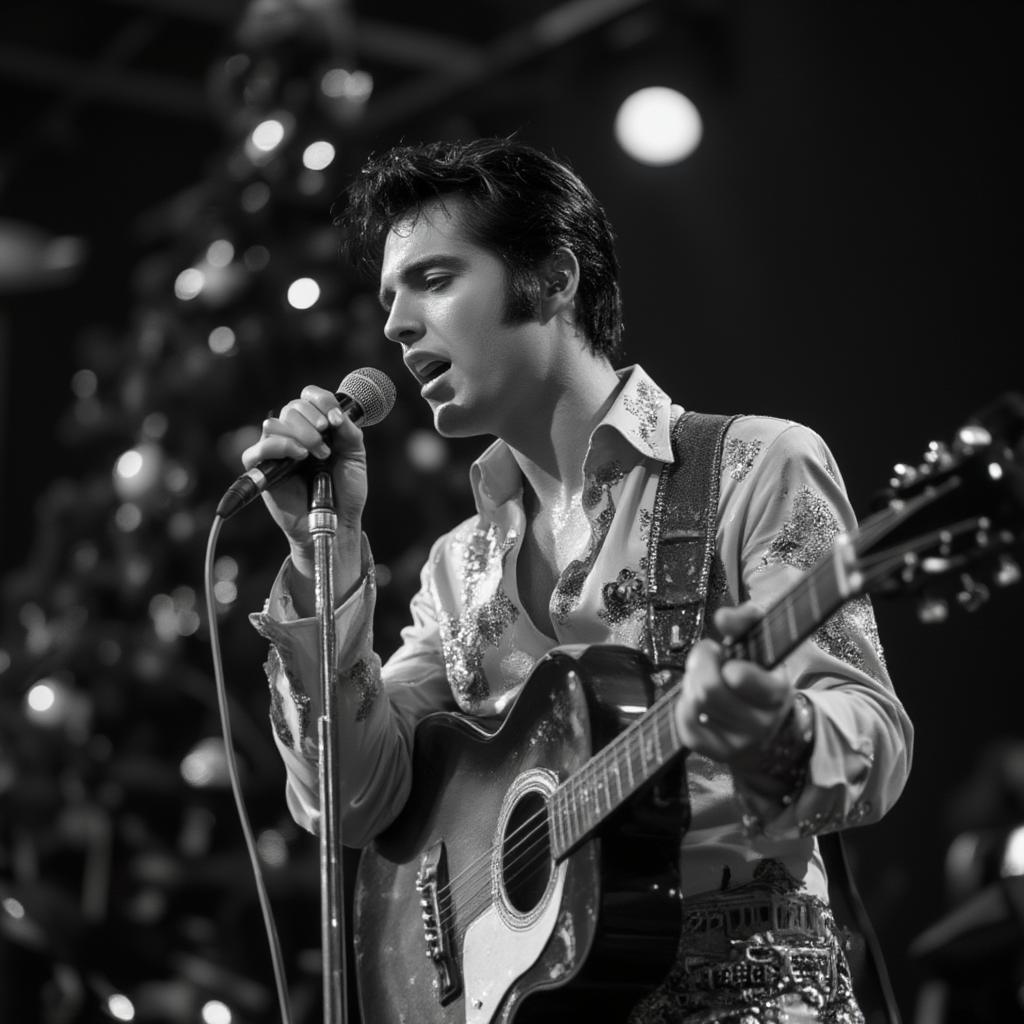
372 390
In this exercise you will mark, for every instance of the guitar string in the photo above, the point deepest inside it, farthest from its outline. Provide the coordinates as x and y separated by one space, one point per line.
532 853
522 853
809 585
613 751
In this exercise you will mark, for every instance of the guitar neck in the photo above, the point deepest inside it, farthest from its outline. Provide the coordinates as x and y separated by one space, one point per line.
801 610
616 772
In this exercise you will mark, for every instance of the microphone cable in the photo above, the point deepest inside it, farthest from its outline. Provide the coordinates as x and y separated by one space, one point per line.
266 910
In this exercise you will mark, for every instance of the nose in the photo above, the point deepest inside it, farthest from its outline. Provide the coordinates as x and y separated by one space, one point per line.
403 324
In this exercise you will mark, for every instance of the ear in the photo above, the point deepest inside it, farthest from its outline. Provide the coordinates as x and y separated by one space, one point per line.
559 278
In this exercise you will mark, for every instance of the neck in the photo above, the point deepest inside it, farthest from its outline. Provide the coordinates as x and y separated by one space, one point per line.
551 444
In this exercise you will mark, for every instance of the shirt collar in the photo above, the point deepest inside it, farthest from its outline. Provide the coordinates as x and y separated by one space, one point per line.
640 416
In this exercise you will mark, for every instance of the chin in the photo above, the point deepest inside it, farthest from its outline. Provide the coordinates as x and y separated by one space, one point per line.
451 420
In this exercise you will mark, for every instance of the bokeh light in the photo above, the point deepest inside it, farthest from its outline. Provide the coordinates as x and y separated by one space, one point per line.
658 126
303 293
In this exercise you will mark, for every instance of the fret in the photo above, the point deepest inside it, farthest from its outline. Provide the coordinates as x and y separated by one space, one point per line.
659 758
563 823
618 778
598 791
584 795
606 788
646 751
673 729
768 655
812 593
553 820
577 831
805 615
557 806
791 619
589 798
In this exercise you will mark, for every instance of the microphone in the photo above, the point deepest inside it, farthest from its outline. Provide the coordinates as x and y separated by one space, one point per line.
366 396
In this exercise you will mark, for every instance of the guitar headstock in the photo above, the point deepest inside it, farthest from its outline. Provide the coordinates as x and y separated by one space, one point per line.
951 526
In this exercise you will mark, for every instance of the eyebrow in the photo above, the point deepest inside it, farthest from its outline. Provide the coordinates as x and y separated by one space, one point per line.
442 261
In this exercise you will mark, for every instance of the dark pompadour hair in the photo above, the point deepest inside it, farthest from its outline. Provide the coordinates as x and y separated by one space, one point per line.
521 204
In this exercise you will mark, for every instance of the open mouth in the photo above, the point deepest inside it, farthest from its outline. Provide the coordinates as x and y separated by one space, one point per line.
431 371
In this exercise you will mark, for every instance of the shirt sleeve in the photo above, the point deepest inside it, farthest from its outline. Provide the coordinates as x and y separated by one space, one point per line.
377 707
781 513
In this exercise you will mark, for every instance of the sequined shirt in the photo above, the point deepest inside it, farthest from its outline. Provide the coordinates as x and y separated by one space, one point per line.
470 645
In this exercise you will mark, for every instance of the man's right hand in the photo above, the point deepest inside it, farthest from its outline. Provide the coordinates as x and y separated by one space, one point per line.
295 433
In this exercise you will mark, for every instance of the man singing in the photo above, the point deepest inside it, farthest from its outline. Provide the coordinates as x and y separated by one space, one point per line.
497 270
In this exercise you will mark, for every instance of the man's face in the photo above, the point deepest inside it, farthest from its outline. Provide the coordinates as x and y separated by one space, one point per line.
446 299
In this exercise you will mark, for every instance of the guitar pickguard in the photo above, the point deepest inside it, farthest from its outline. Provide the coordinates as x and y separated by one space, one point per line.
496 954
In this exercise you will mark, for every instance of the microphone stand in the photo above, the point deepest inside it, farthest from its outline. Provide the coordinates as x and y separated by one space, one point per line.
323 525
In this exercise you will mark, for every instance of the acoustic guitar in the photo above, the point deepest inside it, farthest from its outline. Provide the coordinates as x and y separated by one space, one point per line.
532 874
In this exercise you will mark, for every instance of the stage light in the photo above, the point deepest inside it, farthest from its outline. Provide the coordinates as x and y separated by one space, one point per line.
426 451
41 698
216 1012
342 84
84 384
189 283
120 1007
13 907
221 340
268 135
272 848
256 257
128 517
303 293
1013 854
155 425
220 253
226 568
319 155
658 126
255 196
138 470
205 765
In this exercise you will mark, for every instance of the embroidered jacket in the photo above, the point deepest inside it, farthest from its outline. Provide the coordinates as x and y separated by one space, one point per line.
470 645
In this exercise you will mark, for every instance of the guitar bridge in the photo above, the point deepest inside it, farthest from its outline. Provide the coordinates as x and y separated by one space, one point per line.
431 882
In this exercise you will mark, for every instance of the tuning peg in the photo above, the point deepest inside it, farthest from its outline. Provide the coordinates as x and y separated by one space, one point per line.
902 475
970 438
972 594
910 566
938 455
1008 572
932 610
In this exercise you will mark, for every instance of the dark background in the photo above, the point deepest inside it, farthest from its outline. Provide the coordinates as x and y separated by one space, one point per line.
843 249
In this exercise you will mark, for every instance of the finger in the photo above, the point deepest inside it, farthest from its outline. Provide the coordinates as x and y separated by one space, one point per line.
273 446
306 423
733 622
756 687
736 695
325 402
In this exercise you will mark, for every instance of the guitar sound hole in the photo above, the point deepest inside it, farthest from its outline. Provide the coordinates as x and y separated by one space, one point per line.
526 853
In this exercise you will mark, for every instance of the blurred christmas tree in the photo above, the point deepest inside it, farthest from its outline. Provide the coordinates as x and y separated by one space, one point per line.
125 888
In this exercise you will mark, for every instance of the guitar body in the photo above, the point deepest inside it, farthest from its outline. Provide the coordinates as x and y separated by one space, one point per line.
462 912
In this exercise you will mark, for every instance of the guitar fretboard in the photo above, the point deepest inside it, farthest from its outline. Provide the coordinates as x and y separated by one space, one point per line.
640 751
